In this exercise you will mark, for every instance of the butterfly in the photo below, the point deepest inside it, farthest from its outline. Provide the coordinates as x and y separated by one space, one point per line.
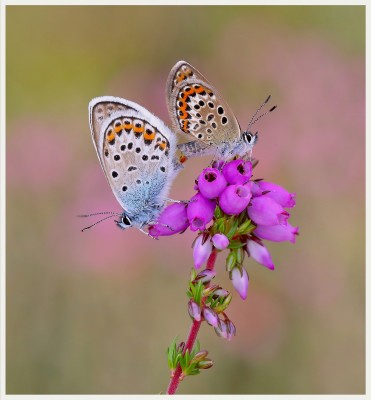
196 108
137 153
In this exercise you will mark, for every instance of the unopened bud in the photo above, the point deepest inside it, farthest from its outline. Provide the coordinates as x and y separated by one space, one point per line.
210 316
194 310
200 356
221 329
205 276
205 364
209 290
231 329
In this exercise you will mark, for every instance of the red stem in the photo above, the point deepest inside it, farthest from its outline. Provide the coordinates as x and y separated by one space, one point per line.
177 376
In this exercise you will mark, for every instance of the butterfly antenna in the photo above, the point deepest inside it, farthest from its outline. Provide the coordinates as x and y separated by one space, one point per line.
99 213
88 227
261 116
257 111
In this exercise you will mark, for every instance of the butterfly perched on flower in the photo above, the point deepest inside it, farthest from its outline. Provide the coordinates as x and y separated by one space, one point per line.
197 109
137 153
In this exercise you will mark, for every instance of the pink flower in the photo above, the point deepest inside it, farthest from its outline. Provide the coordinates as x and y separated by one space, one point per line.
278 194
172 220
220 241
235 199
201 251
265 211
260 254
277 233
240 281
237 172
200 212
211 183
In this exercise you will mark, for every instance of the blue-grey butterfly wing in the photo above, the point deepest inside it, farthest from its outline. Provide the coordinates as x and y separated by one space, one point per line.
197 108
136 151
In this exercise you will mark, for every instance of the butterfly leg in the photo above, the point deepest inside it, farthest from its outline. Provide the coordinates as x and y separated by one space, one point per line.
177 201
147 233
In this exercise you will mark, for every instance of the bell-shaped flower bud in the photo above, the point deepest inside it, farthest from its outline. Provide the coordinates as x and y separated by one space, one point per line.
194 310
240 281
220 241
259 253
211 317
201 251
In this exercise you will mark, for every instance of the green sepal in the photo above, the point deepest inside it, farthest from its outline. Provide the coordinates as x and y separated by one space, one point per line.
235 244
232 229
245 227
218 213
240 255
231 260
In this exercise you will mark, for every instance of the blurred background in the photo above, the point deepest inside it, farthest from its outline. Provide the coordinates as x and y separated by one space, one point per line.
94 312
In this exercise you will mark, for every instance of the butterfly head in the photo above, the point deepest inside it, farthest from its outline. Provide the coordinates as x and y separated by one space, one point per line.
124 222
249 138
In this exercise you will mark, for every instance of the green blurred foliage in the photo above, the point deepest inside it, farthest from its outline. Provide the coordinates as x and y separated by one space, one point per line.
77 327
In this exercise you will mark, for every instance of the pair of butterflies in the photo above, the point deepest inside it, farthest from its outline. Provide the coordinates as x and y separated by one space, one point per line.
138 152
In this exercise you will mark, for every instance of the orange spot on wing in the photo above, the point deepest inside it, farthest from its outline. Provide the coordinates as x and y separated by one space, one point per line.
185 126
183 159
149 136
111 136
128 126
200 89
163 145
118 128
184 116
138 129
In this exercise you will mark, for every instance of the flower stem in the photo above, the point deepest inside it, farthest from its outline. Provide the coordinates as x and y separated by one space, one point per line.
177 376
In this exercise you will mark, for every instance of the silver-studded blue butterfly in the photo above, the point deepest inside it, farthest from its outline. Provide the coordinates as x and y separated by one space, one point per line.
137 153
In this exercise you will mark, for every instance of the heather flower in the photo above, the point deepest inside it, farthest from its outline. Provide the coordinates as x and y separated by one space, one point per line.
220 241
235 199
194 310
205 276
237 172
200 212
211 183
278 193
240 281
231 329
277 233
201 251
259 253
265 211
221 330
172 220
211 317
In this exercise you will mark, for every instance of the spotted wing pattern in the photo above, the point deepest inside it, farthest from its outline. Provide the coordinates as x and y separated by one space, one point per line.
196 108
136 151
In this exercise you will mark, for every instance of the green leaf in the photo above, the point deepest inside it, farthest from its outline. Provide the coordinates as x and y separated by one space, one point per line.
235 244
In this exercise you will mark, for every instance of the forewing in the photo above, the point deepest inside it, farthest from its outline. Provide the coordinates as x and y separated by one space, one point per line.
196 107
136 151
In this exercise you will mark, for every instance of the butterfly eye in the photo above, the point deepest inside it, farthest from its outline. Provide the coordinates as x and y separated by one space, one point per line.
125 220
247 137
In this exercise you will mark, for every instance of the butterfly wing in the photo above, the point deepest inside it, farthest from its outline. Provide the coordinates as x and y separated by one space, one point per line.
196 108
136 151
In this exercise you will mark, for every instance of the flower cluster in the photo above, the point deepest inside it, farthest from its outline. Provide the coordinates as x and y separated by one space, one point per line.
229 211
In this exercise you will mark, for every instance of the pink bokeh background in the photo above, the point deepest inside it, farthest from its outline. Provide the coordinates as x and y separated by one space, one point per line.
92 312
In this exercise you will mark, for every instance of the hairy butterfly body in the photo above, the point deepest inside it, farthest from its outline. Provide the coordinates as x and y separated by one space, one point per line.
137 153
197 109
